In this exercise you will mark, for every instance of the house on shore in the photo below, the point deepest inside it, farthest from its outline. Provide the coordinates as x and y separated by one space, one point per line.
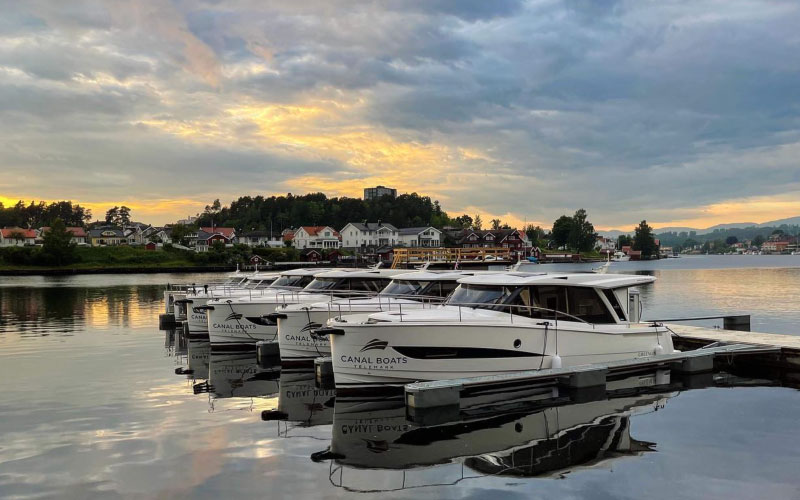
17 237
78 234
107 236
259 239
366 236
513 239
426 237
207 236
319 237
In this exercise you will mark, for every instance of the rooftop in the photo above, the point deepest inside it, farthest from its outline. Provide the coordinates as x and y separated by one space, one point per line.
560 279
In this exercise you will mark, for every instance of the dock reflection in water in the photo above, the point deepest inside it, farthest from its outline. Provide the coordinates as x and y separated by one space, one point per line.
240 376
375 446
301 403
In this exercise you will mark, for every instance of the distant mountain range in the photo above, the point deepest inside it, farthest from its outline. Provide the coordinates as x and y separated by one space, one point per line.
791 221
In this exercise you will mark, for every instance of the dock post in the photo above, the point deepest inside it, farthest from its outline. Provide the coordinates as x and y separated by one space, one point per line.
741 323
166 321
266 352
593 376
323 367
695 364
445 393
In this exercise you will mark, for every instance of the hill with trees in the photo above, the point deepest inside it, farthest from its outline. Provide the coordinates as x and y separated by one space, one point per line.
280 212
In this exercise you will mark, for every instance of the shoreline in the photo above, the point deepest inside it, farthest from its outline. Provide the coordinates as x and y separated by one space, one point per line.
116 270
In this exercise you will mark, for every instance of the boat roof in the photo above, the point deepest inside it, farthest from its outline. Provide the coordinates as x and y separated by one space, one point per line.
263 276
361 273
443 275
305 271
563 279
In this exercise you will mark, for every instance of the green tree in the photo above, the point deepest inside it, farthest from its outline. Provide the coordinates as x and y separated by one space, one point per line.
758 240
624 240
180 234
561 231
731 240
581 232
477 223
644 241
58 248
124 216
112 216
535 234
496 223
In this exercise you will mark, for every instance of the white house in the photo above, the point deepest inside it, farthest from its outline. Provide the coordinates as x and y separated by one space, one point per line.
15 236
605 245
419 236
369 234
316 237
260 239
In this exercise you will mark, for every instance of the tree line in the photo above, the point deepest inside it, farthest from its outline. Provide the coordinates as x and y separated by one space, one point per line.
38 214
276 213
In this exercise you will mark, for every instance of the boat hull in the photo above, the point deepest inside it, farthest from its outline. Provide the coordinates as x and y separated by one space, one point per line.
297 345
393 354
239 324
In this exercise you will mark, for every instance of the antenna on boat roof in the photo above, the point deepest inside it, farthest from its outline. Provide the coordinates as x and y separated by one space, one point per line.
424 266
377 265
515 267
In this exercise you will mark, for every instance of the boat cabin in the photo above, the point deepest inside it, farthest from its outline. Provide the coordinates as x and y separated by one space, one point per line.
590 298
296 279
347 282
425 283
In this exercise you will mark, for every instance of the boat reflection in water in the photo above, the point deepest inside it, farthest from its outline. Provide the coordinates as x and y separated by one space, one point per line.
301 403
239 376
198 358
376 446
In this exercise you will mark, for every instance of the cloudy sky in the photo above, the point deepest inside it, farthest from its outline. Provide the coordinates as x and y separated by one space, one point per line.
683 113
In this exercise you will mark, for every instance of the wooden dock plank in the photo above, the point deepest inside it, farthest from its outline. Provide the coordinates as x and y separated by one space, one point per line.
791 342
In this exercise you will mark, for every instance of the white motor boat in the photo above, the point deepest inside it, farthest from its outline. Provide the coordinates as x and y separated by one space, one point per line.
294 279
196 298
240 322
620 257
494 324
406 291
175 295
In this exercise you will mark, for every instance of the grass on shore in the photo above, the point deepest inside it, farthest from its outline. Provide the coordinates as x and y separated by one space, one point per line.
104 258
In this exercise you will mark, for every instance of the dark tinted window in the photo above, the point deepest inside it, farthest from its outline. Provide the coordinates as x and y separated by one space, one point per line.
612 299
368 284
587 305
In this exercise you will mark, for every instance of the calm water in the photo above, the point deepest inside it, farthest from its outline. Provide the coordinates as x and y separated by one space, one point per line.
93 407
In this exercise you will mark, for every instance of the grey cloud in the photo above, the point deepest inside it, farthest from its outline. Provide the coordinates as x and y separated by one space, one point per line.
573 100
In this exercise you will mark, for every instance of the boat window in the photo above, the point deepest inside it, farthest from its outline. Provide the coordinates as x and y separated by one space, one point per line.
368 284
482 296
441 288
549 299
612 299
404 287
587 305
292 281
522 301
323 284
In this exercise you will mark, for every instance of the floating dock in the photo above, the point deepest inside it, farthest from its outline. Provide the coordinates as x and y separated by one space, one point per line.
442 393
787 354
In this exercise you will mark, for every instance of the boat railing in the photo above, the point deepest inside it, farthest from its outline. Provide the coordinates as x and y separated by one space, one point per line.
511 308
386 302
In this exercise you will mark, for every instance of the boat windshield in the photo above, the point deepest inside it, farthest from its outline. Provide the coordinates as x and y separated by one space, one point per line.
322 284
404 287
292 281
479 296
